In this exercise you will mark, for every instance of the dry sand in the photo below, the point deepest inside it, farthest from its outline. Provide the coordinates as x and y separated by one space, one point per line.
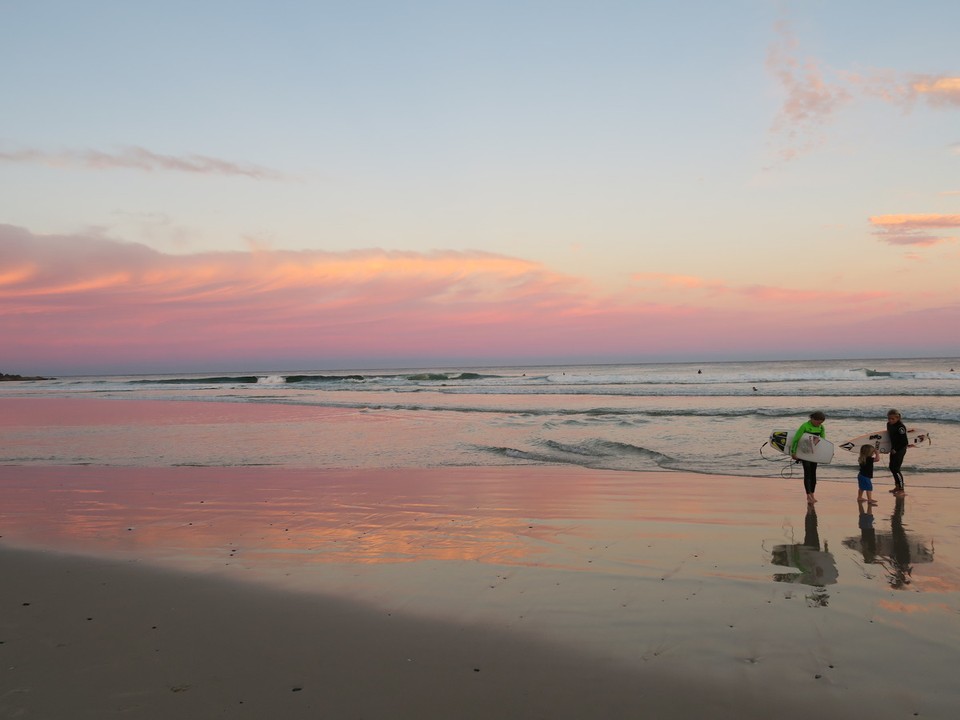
524 592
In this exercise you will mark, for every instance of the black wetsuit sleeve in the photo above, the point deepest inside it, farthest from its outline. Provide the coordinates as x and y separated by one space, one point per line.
898 436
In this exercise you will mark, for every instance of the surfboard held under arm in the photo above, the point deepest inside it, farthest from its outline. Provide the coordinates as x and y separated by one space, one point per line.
812 448
881 440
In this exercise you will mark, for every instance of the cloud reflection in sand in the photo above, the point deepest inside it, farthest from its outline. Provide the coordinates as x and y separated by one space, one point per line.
265 522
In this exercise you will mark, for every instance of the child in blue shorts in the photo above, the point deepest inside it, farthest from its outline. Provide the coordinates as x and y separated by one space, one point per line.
868 453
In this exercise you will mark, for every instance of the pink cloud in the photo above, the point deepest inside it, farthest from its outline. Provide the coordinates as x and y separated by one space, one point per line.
88 302
688 282
809 98
913 229
813 93
753 293
138 158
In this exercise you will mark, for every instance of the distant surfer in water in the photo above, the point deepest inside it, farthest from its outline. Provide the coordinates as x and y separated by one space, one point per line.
898 448
814 426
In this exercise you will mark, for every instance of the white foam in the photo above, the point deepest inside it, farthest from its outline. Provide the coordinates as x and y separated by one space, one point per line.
271 380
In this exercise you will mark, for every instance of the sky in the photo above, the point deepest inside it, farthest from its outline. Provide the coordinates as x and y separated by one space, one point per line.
285 185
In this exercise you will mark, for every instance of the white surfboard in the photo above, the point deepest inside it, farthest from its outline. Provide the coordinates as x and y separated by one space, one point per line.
881 440
812 448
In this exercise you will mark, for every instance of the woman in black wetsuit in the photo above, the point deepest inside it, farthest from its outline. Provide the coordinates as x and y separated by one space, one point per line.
898 448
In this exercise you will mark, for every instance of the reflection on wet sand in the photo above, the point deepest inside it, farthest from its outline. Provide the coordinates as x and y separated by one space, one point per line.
266 523
868 532
209 516
259 517
896 551
817 567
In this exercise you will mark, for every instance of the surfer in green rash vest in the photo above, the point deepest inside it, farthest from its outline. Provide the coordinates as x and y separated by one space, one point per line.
814 426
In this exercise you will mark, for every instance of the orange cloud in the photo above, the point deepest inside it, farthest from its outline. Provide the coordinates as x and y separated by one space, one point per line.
913 229
138 158
916 220
905 90
942 90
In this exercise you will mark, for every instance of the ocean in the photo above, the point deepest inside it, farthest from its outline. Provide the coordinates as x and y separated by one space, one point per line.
710 418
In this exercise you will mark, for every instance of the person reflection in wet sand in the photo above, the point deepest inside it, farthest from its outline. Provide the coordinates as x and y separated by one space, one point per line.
900 570
811 535
817 567
897 551
868 534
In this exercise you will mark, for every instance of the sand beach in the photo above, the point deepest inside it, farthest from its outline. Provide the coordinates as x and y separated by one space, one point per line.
554 592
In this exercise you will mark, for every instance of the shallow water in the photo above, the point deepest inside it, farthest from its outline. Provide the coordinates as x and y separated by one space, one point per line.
710 418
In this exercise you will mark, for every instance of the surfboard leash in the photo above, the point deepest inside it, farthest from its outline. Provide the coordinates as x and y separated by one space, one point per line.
786 471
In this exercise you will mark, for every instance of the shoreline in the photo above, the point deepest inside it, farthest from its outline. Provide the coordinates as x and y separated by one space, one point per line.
142 433
572 590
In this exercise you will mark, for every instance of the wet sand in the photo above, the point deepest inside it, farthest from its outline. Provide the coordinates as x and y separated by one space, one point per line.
470 592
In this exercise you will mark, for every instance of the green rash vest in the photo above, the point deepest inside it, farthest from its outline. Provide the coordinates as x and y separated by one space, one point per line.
807 427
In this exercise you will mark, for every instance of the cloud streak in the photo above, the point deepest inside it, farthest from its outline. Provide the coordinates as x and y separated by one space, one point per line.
937 91
738 294
915 229
138 158
99 303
